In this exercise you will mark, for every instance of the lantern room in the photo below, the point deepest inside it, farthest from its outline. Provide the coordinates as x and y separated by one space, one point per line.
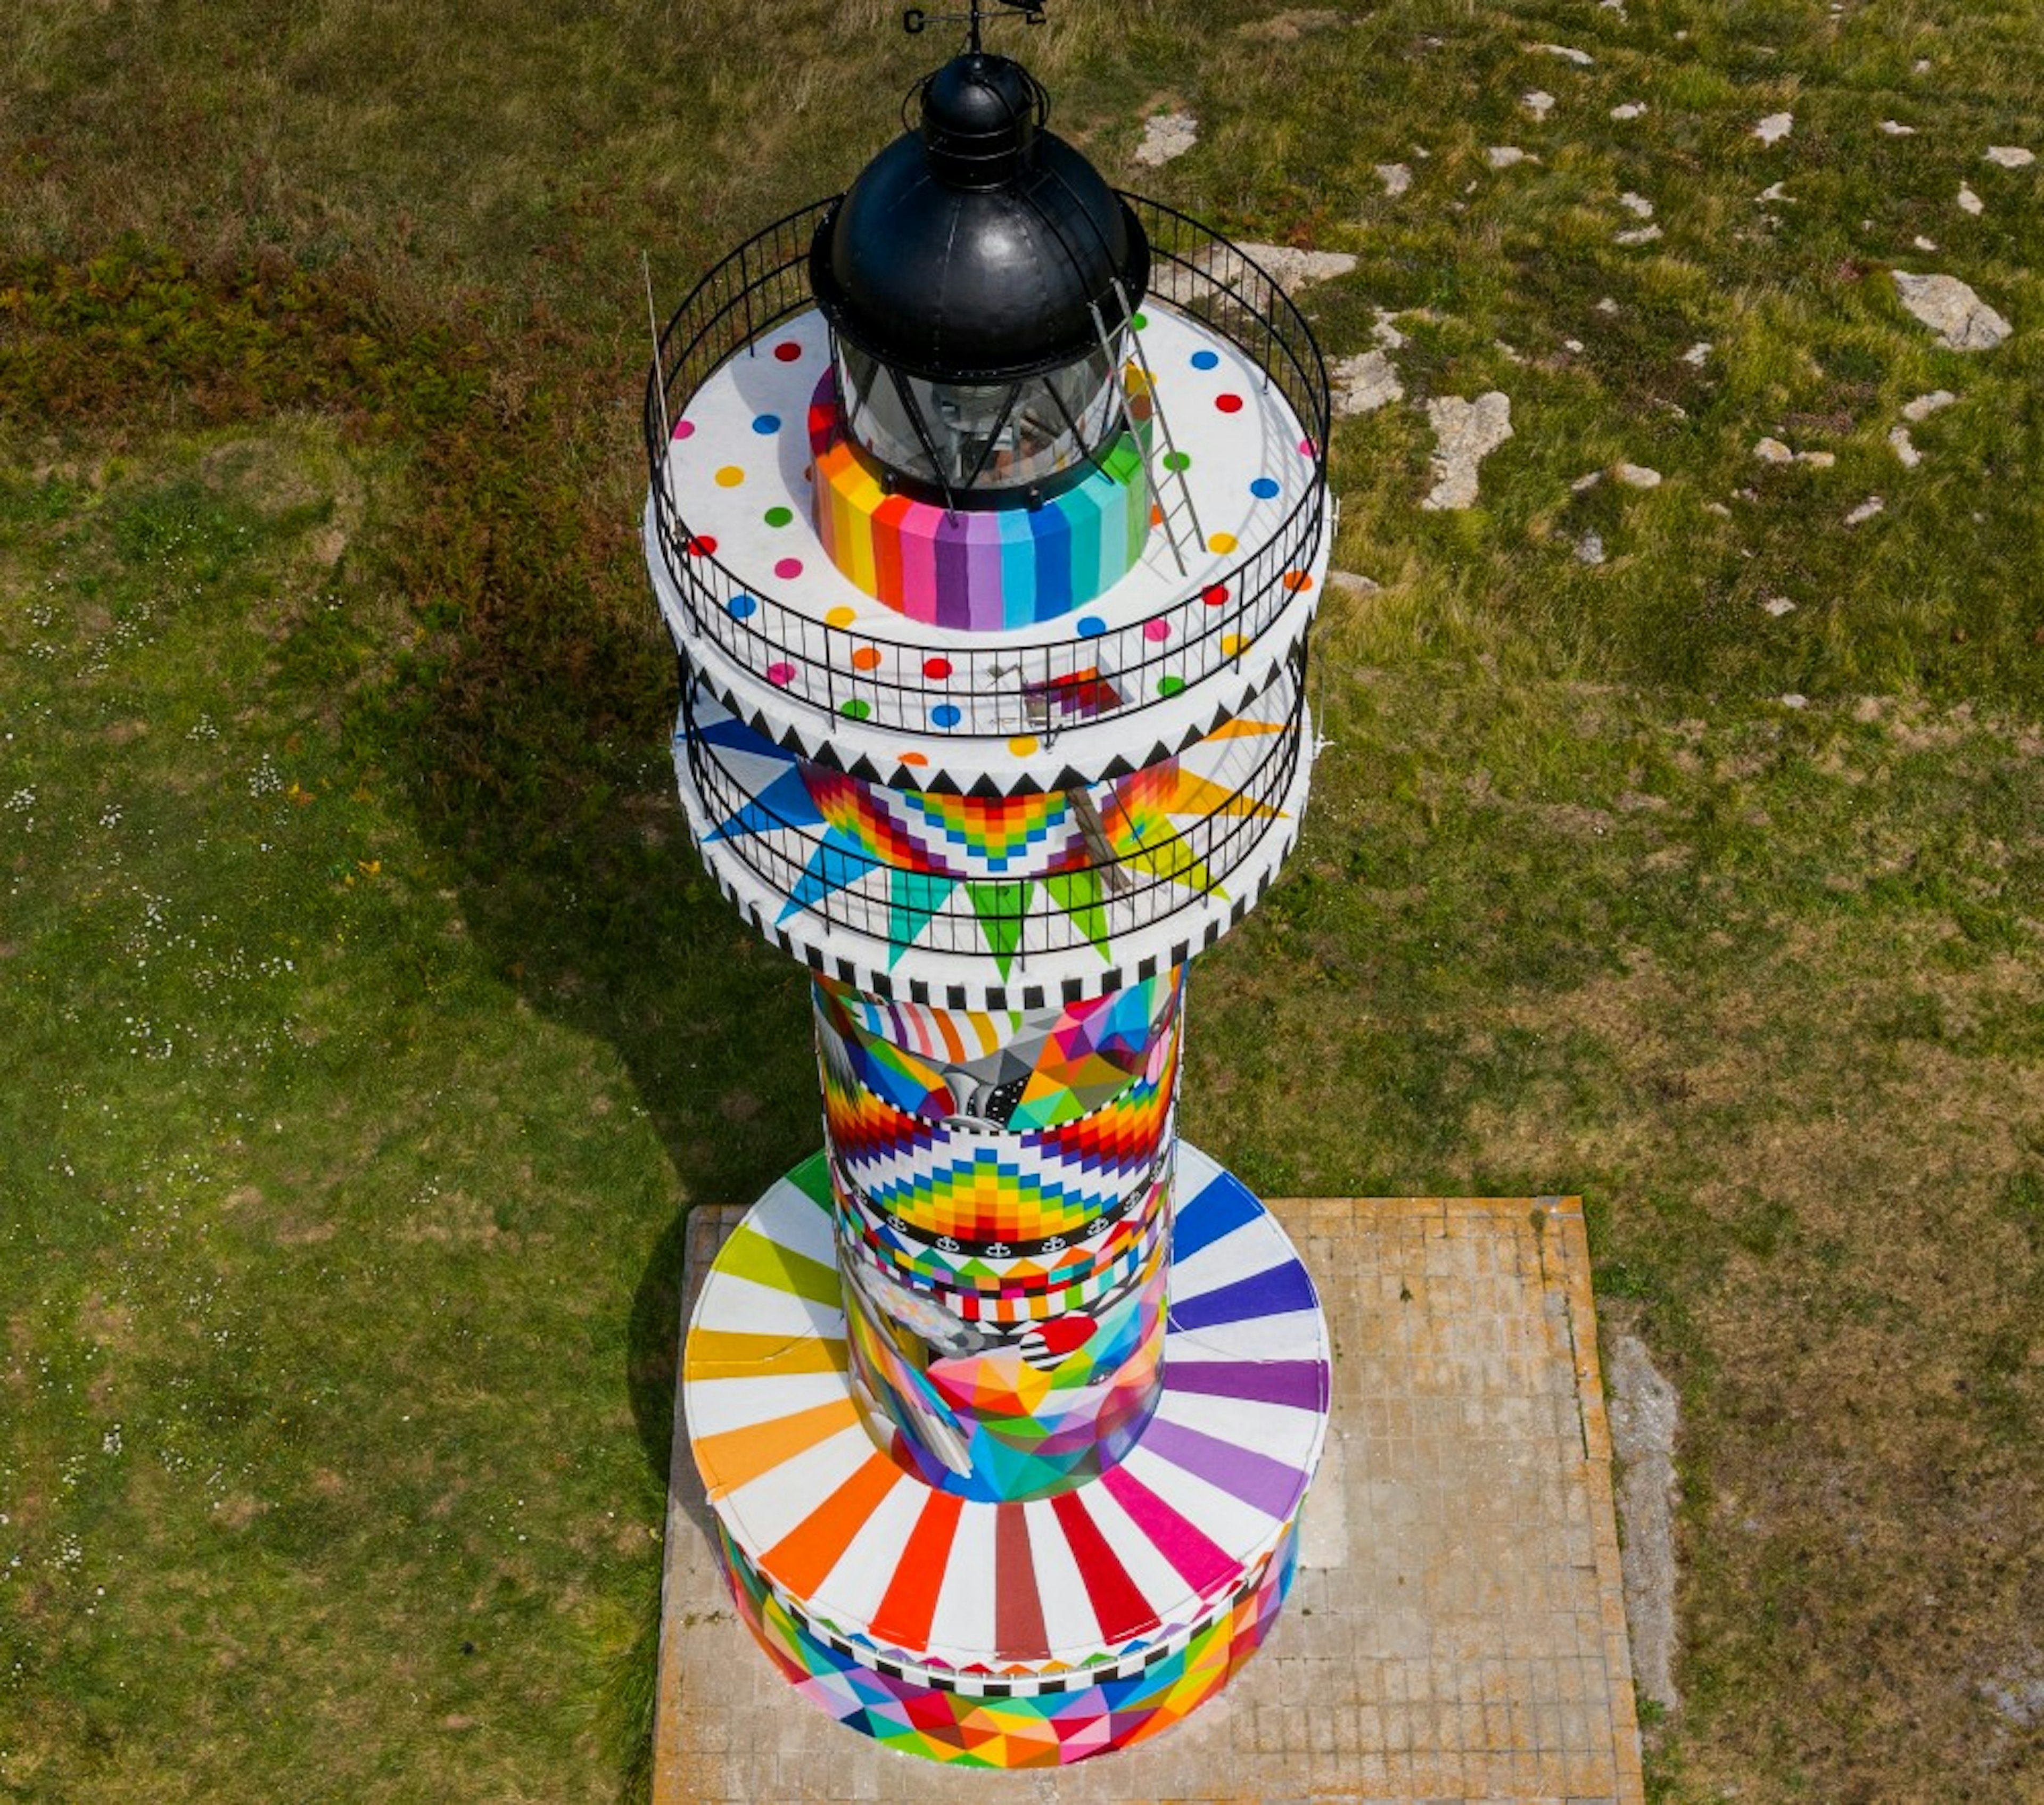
979 278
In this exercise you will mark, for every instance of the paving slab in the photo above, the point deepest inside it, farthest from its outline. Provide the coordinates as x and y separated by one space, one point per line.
1458 1629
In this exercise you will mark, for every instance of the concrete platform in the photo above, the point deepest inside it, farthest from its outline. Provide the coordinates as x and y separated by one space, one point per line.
1458 1629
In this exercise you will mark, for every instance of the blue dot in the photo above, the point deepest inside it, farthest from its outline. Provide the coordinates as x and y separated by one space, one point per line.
766 425
944 715
1205 359
1264 488
739 606
1091 626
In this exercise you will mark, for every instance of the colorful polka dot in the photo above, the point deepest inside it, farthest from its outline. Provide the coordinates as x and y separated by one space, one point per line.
837 616
1156 631
937 669
1176 460
781 674
1305 448
866 658
767 424
777 516
1297 580
1091 626
854 710
1265 488
1156 515
944 715
1214 595
1233 645
1206 360
1170 685
1022 745
788 351
1138 321
1222 542
684 429
1229 403
915 758
730 477
741 607
789 567
701 545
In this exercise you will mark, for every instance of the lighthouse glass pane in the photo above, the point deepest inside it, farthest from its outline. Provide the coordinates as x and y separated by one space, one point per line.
979 438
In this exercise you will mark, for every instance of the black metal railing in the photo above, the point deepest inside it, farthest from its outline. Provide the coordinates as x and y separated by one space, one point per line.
996 690
1178 869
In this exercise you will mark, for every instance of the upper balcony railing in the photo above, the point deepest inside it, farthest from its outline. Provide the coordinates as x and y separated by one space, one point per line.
997 688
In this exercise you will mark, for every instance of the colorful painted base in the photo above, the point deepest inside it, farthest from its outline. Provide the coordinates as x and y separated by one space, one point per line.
1044 1729
1156 1578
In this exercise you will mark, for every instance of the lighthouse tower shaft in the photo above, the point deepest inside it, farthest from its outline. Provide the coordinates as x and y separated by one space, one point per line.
1001 1183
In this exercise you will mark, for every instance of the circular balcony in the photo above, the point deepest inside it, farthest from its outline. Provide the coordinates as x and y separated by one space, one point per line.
998 902
1237 614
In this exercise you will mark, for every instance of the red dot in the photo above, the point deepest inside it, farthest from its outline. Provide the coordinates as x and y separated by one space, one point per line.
787 351
939 668
1213 597
703 546
1228 404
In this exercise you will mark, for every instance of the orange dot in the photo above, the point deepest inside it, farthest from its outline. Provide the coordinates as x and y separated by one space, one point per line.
865 659
1156 515
915 758
1296 580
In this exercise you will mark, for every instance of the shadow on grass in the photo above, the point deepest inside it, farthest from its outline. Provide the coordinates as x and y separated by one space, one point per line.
578 883
586 897
532 740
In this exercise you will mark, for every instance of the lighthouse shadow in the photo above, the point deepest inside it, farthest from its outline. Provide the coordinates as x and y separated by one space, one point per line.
537 767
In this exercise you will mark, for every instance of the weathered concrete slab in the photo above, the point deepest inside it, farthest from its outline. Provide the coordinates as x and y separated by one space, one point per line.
1457 1631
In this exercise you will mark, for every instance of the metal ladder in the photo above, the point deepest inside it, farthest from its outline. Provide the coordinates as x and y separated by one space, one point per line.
1166 474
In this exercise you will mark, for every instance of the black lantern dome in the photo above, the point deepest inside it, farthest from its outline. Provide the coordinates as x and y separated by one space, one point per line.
978 277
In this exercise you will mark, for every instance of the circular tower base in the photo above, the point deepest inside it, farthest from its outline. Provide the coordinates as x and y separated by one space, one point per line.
1010 1635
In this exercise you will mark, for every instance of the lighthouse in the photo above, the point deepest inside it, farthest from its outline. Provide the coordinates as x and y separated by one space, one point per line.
988 512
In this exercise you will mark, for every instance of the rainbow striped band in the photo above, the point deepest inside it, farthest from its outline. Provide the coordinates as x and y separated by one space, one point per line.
980 570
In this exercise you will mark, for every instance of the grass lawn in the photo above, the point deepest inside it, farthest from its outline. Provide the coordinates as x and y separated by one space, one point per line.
367 1026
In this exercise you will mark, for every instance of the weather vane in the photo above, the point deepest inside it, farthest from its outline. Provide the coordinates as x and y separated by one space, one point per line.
915 20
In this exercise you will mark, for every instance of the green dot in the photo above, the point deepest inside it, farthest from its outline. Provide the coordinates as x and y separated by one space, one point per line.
1177 460
1170 685
779 516
1138 321
854 710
